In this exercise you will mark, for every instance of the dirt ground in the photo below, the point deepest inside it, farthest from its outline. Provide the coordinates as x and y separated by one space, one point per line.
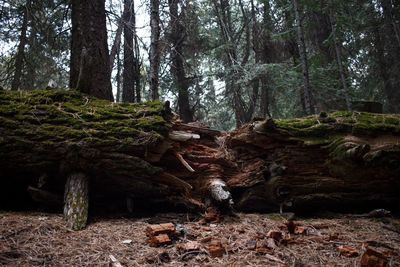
40 239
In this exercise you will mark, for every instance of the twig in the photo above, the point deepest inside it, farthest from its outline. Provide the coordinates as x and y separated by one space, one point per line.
183 161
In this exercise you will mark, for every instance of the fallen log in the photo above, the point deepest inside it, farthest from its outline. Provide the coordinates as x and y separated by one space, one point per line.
345 161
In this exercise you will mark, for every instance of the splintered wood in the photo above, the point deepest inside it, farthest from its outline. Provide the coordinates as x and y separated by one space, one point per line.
160 234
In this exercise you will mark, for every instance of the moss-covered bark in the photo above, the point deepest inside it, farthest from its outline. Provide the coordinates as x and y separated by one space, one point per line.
339 161
347 161
58 132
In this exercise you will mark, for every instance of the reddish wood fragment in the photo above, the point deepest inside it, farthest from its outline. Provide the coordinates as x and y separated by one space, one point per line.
373 258
157 229
276 235
216 249
212 215
348 251
189 246
159 240
291 226
300 230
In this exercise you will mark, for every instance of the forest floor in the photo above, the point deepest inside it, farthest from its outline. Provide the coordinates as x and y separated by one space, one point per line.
41 239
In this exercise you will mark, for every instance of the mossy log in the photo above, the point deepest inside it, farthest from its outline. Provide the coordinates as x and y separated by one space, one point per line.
345 161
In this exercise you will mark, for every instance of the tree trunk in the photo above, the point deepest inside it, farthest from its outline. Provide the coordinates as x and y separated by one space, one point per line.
90 62
76 201
338 53
136 59
118 77
308 98
128 73
20 56
117 43
177 38
155 51
391 56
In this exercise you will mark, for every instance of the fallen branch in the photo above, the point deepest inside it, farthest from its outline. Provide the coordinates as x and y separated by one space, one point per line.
183 161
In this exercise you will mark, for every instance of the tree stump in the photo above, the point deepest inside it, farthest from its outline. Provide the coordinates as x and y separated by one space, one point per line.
76 201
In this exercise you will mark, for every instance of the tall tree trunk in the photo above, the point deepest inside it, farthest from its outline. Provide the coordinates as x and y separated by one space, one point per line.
128 72
137 60
31 64
391 58
308 98
338 53
155 51
118 76
116 44
90 62
177 37
19 57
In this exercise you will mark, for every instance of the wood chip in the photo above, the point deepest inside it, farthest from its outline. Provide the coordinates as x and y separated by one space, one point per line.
373 258
216 249
157 229
189 246
348 251
159 240
276 235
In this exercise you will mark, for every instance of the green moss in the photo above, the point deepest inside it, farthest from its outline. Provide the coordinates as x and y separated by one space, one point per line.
69 116
340 122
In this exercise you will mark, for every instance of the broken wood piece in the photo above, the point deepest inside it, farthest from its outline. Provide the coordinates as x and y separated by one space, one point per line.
183 161
172 180
76 201
300 230
216 249
372 258
159 240
348 251
158 229
182 136
114 261
188 246
212 215
276 235
45 197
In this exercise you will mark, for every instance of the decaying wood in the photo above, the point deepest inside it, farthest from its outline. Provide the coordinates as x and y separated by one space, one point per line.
44 197
344 161
157 229
183 161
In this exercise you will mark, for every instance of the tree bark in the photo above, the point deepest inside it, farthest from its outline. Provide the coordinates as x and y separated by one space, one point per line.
132 150
128 73
117 43
20 56
338 53
76 201
391 57
155 50
308 97
90 62
177 38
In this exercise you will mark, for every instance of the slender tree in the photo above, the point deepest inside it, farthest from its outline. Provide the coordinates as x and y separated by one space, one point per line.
177 38
128 73
19 58
308 98
90 62
155 50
